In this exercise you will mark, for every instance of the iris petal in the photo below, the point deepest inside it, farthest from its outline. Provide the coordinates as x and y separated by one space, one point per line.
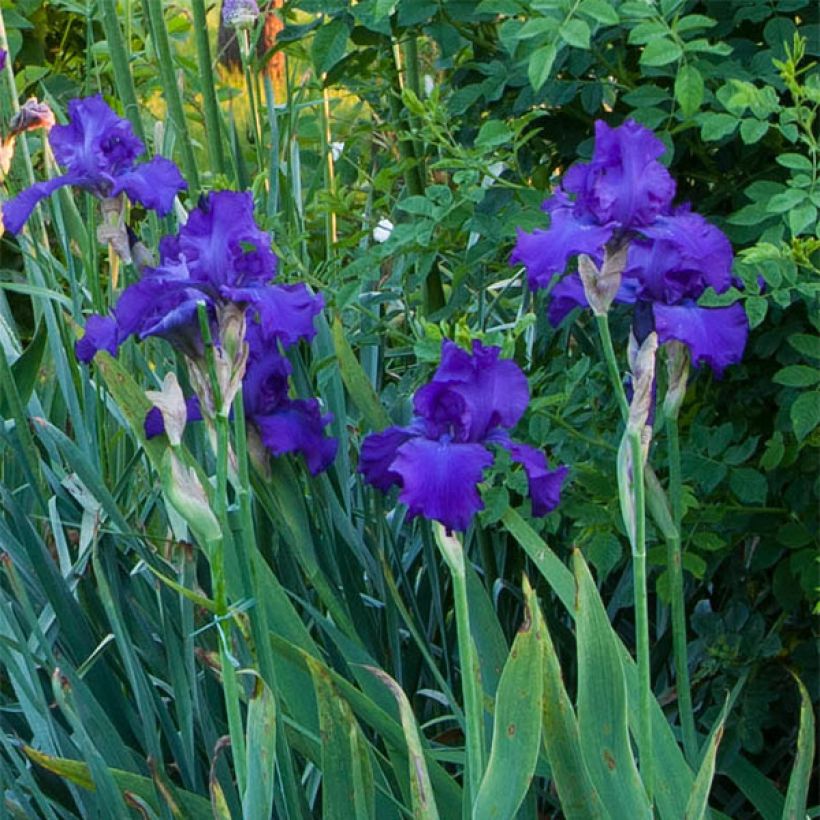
298 426
100 334
153 184
624 182
287 312
17 210
545 253
545 484
439 479
378 454
494 390
716 336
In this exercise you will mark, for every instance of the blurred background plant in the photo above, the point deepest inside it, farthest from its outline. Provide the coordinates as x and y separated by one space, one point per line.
393 148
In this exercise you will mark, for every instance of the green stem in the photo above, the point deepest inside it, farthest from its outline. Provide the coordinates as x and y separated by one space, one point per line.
453 553
612 364
206 80
641 612
678 601
171 91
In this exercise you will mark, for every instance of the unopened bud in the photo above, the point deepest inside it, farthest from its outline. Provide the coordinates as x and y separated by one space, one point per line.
171 403
230 320
642 364
601 284
186 494
239 13
677 369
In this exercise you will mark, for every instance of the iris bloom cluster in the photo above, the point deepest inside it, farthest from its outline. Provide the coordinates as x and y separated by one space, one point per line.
623 199
471 403
99 151
221 259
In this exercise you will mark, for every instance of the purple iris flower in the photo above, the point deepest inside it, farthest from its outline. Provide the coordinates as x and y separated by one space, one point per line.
220 256
438 460
4 55
284 425
622 197
622 189
99 151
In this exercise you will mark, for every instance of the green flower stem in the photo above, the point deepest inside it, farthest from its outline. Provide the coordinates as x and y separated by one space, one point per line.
206 78
453 553
216 558
678 601
641 612
612 364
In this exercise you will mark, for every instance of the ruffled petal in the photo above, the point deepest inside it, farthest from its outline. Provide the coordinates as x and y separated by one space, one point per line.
377 455
716 336
685 254
286 312
624 183
95 143
265 385
153 184
495 390
16 211
101 333
222 245
444 410
439 479
546 253
545 484
299 427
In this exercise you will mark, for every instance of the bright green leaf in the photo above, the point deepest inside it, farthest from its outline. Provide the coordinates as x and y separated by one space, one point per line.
689 89
660 52
805 414
540 66
575 33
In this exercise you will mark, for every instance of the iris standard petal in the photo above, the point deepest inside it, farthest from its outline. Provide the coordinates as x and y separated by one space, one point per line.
439 479
153 184
299 427
101 333
624 182
495 390
546 253
377 455
716 336
95 142
222 244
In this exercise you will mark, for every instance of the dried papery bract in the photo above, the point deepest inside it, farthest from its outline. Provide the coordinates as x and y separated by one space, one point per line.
171 403
601 284
33 114
642 365
112 231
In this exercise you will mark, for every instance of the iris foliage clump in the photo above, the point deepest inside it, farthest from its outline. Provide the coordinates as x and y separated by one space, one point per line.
409 408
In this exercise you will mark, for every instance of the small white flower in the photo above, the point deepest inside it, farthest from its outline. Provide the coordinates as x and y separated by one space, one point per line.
336 149
382 231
